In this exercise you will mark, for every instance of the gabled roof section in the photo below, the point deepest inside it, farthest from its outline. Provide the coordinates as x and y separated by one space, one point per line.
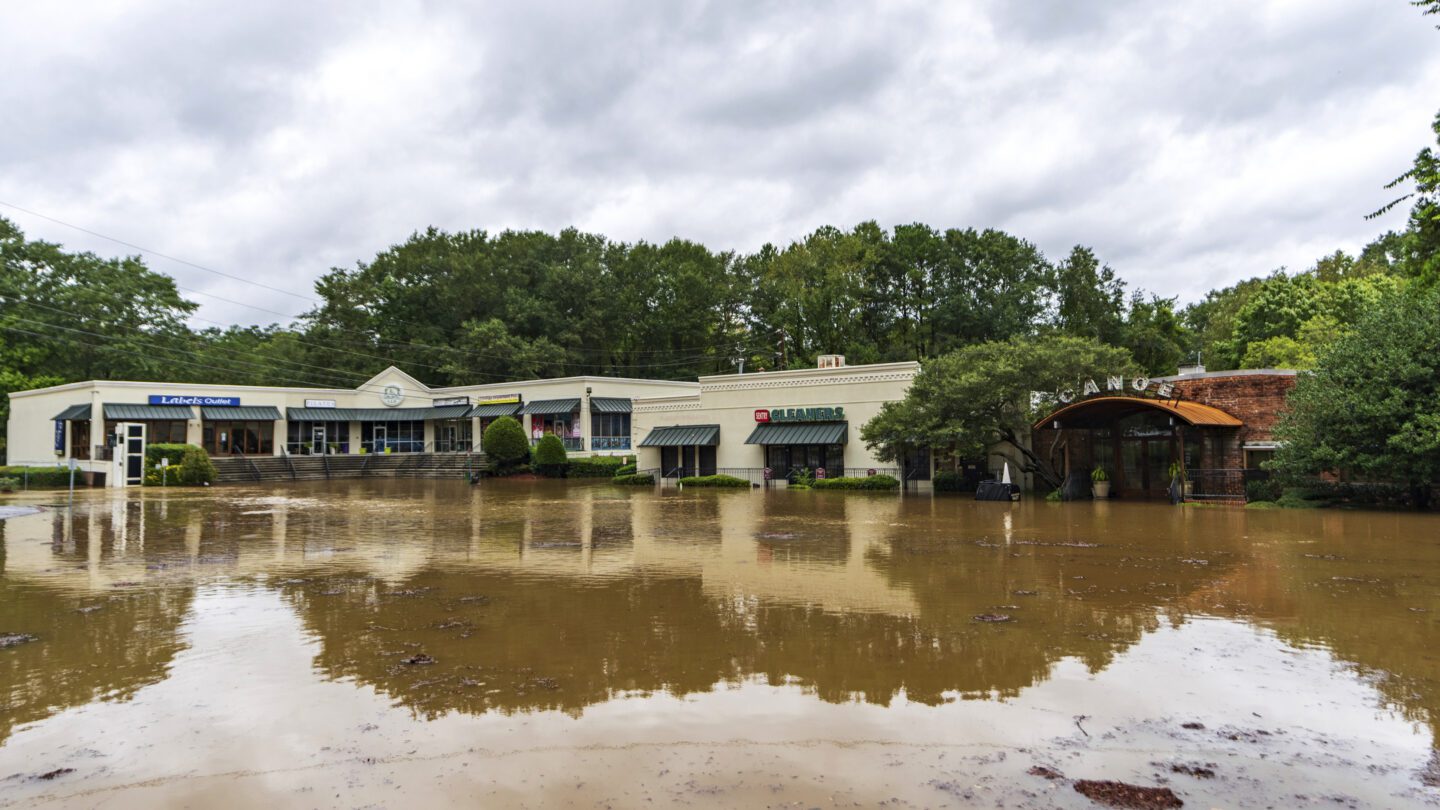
411 385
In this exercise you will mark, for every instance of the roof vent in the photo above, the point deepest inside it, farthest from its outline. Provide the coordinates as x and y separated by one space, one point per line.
1192 368
832 361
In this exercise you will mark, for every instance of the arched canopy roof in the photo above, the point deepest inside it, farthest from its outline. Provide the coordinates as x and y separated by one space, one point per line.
1099 411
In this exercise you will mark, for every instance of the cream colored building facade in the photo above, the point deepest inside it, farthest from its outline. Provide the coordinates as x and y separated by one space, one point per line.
392 412
744 424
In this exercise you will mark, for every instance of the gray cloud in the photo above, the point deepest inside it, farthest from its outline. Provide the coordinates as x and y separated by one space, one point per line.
1190 145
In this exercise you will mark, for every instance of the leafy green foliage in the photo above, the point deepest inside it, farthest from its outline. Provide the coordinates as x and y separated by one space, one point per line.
627 469
9 484
190 465
594 467
41 477
1371 407
723 481
634 480
504 443
870 482
549 457
976 397
947 481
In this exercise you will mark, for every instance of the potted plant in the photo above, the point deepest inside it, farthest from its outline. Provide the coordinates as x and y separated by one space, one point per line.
1177 473
1100 482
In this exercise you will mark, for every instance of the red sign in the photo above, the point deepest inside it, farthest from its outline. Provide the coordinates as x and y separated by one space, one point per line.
762 415
819 472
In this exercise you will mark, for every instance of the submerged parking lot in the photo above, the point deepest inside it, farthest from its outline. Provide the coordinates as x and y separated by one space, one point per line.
395 643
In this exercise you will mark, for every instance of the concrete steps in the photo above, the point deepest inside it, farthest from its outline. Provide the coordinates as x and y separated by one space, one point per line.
249 469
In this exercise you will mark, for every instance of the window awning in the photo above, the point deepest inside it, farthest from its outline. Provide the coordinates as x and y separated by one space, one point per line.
550 407
683 436
609 405
250 413
799 433
375 414
144 412
75 413
494 409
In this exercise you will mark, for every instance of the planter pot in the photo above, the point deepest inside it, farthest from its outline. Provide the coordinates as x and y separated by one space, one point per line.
1101 488
1188 489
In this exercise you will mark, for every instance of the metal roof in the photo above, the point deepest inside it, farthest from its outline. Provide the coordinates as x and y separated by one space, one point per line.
610 405
799 433
375 414
143 412
683 435
75 413
548 407
244 413
1090 410
494 409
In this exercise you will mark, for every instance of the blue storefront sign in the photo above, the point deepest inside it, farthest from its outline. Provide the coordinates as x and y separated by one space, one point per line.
180 399
59 435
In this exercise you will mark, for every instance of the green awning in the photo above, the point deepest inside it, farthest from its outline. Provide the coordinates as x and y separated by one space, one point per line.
247 413
799 433
75 413
490 410
375 414
609 405
683 436
550 407
319 414
143 412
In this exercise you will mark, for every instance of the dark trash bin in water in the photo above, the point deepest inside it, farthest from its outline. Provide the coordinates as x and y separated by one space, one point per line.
997 491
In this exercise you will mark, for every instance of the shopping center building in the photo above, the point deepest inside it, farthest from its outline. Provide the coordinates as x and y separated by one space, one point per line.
765 426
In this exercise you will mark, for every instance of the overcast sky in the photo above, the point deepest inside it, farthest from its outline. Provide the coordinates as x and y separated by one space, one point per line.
1191 144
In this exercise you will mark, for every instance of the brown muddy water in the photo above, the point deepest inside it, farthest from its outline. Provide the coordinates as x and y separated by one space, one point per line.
411 644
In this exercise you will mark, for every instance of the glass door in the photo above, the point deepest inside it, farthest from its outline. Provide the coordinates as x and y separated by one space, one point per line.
317 440
377 439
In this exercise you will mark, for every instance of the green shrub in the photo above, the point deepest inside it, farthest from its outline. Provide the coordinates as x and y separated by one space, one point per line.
1263 490
42 477
635 480
9 484
799 487
549 458
947 481
505 444
190 465
729 481
596 467
627 469
870 482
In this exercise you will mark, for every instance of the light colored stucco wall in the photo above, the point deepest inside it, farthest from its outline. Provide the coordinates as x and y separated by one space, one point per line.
31 425
731 400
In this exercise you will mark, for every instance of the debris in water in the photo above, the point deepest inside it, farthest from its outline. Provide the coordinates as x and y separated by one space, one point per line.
1206 771
1119 794
58 772
8 640
418 659
992 617
1046 773
1193 726
1024 593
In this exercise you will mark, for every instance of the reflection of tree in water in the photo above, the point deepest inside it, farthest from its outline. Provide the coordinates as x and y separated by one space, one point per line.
1364 585
517 643
89 646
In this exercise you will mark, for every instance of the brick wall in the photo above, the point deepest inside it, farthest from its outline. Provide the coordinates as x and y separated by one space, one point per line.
1255 399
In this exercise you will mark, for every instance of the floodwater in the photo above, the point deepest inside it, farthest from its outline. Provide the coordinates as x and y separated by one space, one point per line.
413 643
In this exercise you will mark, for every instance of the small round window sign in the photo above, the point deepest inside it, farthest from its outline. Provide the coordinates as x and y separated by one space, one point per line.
392 395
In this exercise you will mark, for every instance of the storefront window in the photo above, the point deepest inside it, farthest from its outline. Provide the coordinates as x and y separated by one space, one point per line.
452 436
79 440
314 438
789 460
566 426
394 437
156 431
251 438
612 431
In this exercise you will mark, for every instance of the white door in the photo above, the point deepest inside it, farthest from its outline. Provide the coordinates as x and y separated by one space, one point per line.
129 467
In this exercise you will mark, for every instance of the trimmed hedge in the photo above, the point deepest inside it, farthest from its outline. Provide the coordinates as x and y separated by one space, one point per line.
42 477
947 481
872 482
549 457
1266 490
628 469
190 465
504 443
635 480
596 467
9 484
726 481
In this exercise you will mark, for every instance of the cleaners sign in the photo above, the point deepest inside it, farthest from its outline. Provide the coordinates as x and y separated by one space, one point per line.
177 399
834 414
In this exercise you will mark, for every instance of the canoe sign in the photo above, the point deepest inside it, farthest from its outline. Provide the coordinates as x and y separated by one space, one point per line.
1115 385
